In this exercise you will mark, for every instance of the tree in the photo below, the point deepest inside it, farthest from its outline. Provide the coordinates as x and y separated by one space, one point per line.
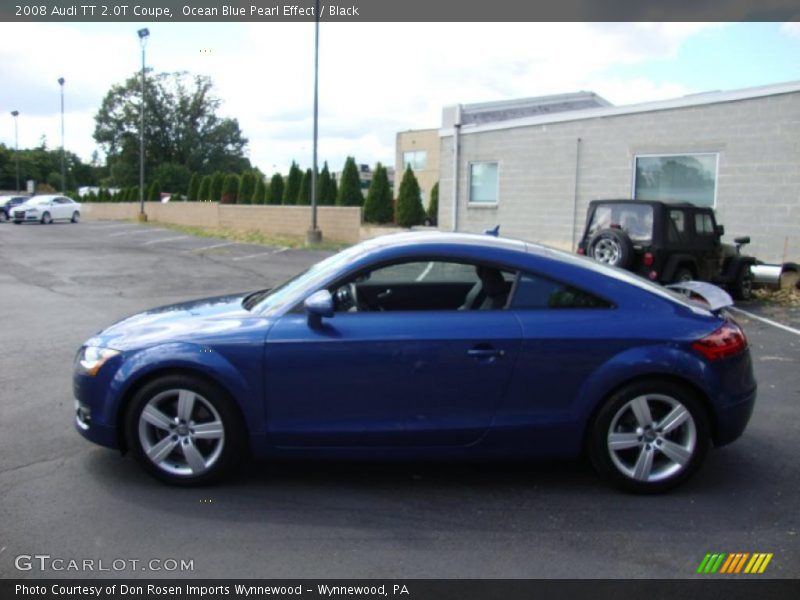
333 192
215 191
247 183
304 196
230 189
291 191
378 205
324 197
433 207
181 127
260 191
204 193
350 185
194 188
154 193
275 189
409 205
172 177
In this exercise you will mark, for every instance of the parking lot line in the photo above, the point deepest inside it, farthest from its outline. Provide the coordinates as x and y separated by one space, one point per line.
115 226
259 254
143 230
222 245
169 239
765 320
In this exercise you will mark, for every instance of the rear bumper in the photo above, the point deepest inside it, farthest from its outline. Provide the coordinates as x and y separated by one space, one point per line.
733 419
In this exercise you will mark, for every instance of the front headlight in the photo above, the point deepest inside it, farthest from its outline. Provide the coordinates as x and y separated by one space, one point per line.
31 210
92 358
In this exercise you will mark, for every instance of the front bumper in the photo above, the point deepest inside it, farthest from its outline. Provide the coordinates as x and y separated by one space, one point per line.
20 217
95 416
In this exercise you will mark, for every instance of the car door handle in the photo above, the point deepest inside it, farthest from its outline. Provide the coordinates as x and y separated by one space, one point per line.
486 353
384 294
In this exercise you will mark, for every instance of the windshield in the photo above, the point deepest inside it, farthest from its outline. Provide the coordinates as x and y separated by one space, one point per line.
39 201
305 282
634 219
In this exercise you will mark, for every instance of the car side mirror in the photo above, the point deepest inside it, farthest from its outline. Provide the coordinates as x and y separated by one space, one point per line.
318 305
720 230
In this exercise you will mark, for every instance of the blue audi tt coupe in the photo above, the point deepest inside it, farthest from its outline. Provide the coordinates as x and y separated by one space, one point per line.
426 345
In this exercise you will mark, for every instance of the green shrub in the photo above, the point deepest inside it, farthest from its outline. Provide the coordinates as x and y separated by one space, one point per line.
409 204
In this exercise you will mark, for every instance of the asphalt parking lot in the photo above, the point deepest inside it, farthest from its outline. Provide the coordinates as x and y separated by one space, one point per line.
64 497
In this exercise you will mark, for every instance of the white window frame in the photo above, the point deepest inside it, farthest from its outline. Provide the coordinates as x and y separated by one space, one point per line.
480 204
715 154
413 165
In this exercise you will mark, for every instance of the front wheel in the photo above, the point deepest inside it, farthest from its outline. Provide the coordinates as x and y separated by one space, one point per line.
76 216
742 288
3 216
184 431
46 219
649 436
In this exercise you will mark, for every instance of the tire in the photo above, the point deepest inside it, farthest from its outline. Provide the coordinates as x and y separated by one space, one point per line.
742 288
682 274
76 216
46 219
3 216
650 455
611 247
159 438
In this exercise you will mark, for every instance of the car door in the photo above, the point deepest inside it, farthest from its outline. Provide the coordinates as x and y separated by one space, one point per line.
413 377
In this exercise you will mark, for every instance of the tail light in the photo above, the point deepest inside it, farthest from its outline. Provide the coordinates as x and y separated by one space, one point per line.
581 251
647 259
728 340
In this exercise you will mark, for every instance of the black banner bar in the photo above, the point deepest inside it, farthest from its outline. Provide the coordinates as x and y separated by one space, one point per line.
733 588
398 10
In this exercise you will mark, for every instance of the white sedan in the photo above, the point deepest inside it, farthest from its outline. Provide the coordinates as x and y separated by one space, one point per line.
46 209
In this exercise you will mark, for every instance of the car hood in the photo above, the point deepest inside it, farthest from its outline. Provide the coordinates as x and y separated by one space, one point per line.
197 321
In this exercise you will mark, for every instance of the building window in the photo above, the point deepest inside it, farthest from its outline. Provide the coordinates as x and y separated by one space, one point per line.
677 178
483 182
416 159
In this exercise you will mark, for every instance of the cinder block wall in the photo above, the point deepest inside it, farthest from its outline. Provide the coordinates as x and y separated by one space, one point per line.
339 223
758 181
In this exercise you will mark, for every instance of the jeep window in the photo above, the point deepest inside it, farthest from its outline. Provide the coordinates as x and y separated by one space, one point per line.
634 219
677 226
703 224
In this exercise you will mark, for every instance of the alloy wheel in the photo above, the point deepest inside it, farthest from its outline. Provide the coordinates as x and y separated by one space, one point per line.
181 433
607 250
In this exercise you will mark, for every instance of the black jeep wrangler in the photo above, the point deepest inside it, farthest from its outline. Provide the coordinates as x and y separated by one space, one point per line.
666 242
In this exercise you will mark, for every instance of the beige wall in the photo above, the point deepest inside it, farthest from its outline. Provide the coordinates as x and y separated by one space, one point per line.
420 139
339 223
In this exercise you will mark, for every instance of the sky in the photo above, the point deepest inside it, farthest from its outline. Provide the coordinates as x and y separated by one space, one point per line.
375 78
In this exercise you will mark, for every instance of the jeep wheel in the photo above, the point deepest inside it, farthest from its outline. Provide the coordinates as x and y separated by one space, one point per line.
742 288
682 274
611 247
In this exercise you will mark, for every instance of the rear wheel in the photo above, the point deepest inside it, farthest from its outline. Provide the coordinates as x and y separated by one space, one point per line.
683 274
184 431
649 437
46 219
76 216
742 288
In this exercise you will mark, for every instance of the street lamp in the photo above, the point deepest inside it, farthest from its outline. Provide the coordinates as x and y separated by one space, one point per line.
143 35
314 235
15 114
63 170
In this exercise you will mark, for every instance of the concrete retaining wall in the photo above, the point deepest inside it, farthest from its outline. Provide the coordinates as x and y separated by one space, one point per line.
339 223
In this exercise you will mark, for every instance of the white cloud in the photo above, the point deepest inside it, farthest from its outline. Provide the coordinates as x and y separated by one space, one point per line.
375 78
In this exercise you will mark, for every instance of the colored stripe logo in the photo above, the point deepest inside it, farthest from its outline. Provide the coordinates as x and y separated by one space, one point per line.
735 563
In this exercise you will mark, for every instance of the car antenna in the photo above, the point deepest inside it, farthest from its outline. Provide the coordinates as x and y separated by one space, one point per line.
495 232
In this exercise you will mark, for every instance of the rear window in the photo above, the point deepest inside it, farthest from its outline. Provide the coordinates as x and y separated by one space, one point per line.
536 292
634 219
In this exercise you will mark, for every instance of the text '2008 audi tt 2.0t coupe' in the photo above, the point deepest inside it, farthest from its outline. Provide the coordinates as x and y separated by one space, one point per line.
427 345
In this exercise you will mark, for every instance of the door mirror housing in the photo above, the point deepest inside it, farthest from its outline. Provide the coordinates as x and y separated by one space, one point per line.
720 230
318 305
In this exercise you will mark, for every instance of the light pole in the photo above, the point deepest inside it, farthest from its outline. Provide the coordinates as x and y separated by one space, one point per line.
15 114
63 170
314 235
143 35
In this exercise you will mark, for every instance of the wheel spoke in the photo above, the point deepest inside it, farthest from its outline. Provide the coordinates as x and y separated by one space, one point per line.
156 418
185 405
162 449
641 410
675 452
194 459
644 464
208 431
623 441
674 419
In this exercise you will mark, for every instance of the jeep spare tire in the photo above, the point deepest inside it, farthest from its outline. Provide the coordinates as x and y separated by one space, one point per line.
611 247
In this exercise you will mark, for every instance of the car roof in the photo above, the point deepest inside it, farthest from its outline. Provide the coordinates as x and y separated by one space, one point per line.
435 238
651 202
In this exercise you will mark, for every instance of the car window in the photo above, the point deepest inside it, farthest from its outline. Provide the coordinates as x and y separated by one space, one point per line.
425 285
677 226
634 219
536 292
703 224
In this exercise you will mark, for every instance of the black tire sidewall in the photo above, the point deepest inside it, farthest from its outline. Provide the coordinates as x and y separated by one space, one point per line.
76 216
679 272
597 445
46 219
740 290
235 431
